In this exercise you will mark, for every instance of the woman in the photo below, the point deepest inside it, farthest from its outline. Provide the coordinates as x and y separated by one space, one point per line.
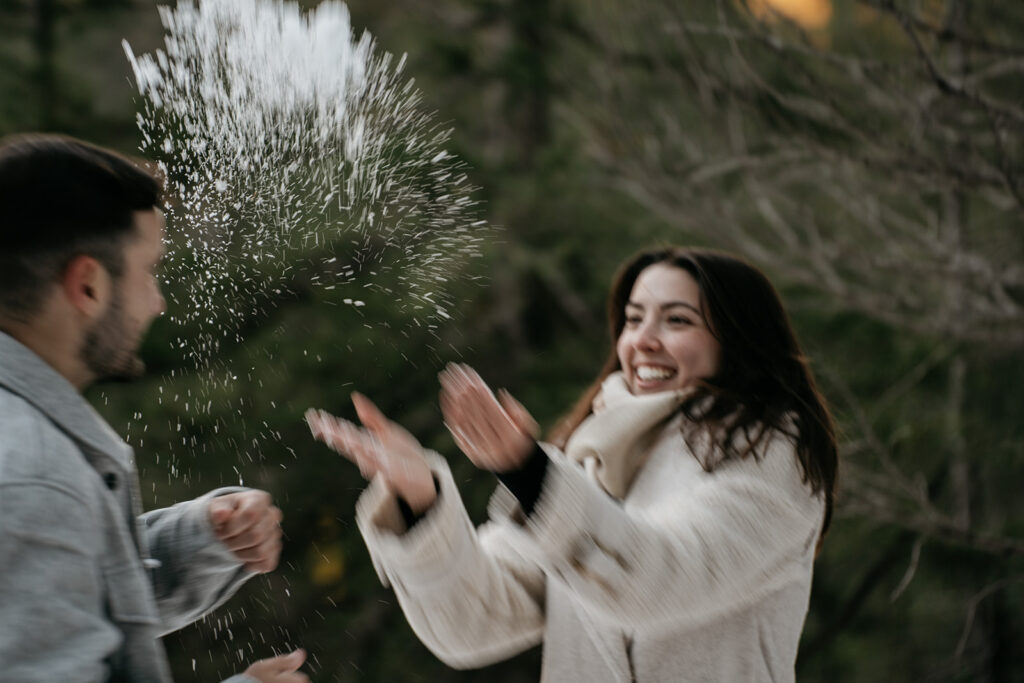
670 532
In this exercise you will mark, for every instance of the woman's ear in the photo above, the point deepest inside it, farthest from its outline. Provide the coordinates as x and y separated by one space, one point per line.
87 285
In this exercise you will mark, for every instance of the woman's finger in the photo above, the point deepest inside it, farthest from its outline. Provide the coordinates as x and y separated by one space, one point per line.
315 422
456 409
463 442
361 447
453 406
341 435
481 424
473 396
345 438
321 425
370 415
495 432
519 415
395 454
491 422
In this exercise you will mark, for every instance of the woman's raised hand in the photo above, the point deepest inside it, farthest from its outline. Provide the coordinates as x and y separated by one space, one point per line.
496 434
381 447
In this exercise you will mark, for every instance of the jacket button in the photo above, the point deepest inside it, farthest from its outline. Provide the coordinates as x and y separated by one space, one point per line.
110 479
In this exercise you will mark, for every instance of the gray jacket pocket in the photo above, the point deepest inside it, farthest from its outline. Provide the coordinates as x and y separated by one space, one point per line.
129 595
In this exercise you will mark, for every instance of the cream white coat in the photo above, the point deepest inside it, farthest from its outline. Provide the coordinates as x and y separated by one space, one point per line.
694 576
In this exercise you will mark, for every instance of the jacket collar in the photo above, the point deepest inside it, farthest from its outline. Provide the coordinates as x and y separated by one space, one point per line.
24 373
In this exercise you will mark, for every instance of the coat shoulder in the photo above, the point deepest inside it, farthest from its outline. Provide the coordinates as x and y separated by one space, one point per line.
34 450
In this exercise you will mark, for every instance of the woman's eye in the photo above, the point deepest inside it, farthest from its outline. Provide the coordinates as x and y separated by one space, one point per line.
633 319
679 320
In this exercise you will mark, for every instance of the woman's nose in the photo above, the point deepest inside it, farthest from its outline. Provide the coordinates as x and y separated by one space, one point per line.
647 336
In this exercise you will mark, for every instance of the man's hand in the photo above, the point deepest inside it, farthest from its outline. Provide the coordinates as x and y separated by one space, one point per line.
280 669
250 526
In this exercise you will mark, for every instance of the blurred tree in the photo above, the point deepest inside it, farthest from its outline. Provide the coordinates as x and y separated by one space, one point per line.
874 162
870 161
48 86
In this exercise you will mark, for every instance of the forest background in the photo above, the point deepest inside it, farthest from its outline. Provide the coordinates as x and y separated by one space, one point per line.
866 153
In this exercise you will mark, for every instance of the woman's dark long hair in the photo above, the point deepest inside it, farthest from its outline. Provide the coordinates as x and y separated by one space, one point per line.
763 384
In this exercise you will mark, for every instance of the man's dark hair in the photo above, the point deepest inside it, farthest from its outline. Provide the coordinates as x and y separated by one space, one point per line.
59 198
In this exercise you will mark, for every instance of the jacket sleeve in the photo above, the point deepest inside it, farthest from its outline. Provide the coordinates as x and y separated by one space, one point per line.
742 532
52 624
193 572
467 593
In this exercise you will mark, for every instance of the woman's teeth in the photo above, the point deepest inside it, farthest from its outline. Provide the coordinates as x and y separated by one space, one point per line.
646 373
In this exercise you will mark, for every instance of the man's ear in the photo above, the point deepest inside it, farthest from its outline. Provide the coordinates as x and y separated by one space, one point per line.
87 285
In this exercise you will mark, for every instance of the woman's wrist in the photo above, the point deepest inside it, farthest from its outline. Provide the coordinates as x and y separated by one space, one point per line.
519 458
413 513
526 481
422 500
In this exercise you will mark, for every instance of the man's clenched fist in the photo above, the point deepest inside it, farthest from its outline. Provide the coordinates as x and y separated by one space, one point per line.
250 526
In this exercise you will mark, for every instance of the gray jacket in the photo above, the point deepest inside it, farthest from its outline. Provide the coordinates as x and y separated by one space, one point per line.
88 584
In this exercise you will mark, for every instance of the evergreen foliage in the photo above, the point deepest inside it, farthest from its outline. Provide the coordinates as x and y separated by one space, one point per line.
872 166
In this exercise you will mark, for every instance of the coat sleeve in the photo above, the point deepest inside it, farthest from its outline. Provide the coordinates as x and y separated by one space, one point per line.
742 532
52 623
468 593
194 572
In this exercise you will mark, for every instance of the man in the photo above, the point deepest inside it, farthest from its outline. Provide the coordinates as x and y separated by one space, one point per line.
87 583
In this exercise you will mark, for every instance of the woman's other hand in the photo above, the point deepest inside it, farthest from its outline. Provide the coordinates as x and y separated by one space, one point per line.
495 433
381 447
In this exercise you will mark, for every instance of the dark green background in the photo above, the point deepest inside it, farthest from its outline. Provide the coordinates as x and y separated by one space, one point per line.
592 131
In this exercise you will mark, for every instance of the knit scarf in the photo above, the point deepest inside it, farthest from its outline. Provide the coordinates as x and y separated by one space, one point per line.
613 442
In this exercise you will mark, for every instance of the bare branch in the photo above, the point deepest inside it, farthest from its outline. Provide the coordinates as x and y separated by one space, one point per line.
972 609
908 576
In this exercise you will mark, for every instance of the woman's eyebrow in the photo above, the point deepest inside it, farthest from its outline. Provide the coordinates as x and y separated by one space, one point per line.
683 304
666 305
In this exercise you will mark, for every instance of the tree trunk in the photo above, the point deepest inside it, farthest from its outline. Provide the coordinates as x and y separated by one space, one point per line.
43 40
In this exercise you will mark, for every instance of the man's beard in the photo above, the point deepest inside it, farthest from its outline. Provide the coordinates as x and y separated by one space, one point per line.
110 350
